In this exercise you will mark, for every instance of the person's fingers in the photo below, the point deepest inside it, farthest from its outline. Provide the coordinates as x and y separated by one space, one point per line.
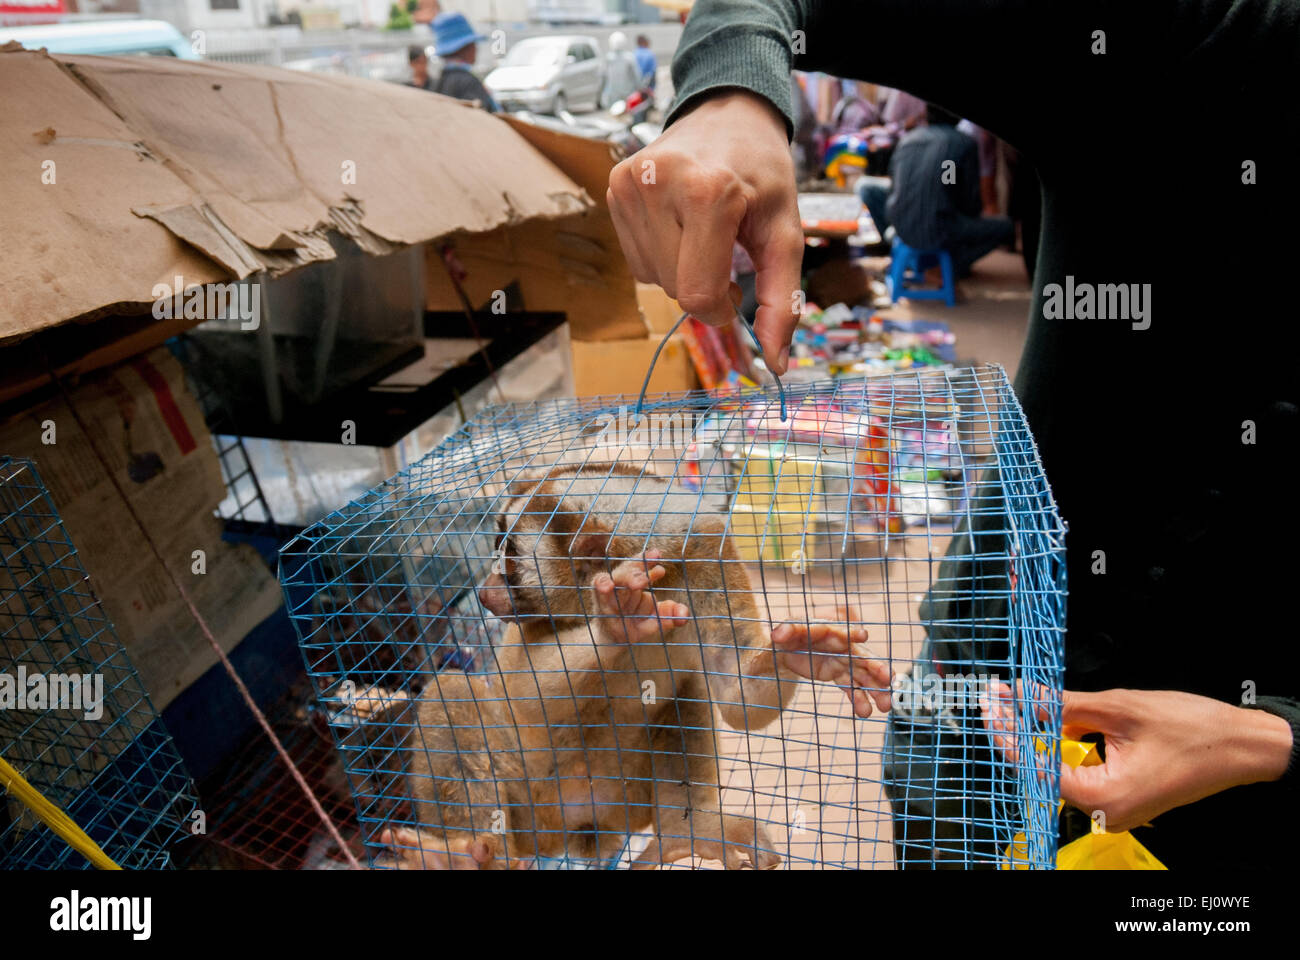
626 212
778 259
1072 731
711 212
662 242
1039 697
997 701
996 707
650 217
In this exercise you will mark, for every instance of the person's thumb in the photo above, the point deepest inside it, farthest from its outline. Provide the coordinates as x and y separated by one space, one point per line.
1086 788
1089 711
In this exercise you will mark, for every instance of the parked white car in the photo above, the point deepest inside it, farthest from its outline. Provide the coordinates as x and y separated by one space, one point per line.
549 75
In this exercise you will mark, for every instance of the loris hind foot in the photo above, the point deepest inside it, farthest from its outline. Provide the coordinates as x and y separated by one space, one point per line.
418 850
738 842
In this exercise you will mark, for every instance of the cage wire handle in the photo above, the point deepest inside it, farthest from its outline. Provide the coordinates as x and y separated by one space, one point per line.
640 401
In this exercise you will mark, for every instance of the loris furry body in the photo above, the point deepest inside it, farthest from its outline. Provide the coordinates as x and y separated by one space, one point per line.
560 750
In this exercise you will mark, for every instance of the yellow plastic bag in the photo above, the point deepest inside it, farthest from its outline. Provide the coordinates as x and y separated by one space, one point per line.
1096 851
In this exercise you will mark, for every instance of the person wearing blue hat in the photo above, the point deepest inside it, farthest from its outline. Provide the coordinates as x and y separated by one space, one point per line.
454 40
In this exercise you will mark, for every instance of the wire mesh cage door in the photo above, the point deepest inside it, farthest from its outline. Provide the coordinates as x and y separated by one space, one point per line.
705 635
75 720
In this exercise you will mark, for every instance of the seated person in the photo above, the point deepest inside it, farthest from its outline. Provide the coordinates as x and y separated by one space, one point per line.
930 209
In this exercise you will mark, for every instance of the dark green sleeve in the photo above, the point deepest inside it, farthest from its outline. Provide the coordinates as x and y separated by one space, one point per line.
1288 710
1028 70
737 43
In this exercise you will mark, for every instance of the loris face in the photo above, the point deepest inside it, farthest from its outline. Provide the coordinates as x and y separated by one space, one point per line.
545 557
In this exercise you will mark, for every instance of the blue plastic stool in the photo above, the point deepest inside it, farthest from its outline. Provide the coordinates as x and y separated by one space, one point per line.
908 265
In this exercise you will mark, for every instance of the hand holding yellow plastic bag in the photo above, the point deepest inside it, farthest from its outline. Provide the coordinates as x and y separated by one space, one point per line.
1096 851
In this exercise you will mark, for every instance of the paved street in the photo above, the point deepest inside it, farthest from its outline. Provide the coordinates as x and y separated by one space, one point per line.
381 54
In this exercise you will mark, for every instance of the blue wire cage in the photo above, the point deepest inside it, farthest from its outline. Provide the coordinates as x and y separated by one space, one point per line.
75 720
736 631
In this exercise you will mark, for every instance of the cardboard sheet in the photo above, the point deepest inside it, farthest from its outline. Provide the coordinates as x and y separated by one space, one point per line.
618 367
72 170
573 264
590 261
212 171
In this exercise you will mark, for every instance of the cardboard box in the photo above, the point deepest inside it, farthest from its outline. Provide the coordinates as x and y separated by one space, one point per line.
612 367
593 283
572 264
214 172
123 173
660 311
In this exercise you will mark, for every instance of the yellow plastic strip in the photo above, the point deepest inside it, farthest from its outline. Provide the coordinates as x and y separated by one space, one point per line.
53 817
1094 851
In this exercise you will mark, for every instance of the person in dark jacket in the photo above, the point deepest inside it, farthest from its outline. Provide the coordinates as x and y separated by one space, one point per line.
1170 467
933 201
456 43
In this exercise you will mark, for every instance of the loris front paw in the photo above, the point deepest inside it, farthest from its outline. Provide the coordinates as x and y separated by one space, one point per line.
626 610
829 652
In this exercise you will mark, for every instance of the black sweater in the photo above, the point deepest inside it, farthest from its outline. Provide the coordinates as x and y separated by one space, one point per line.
1144 152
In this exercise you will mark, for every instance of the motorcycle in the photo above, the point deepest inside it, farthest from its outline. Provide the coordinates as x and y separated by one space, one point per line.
634 112
625 124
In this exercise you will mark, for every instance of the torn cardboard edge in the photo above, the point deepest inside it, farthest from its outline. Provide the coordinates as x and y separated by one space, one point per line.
263 164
